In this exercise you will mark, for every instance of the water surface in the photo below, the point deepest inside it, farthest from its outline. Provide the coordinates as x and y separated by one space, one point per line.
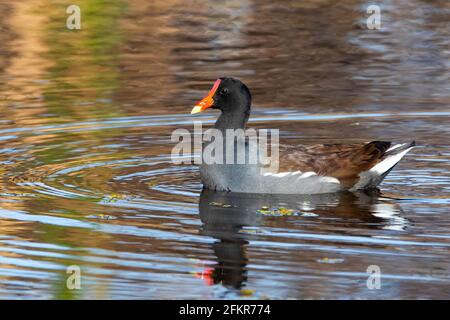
87 180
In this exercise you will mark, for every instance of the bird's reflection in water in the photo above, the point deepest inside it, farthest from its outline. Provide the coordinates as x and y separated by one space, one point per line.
225 216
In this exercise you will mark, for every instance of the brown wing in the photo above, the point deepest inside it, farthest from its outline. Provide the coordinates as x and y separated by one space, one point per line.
342 161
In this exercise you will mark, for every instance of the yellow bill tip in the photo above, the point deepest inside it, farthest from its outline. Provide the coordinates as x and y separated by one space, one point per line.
196 109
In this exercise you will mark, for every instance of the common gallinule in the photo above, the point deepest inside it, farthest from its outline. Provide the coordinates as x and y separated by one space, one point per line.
302 169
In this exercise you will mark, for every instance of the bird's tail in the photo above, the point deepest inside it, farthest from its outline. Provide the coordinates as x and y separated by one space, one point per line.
391 157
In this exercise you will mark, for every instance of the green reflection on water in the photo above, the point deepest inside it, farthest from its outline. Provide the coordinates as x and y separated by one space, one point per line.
81 83
85 62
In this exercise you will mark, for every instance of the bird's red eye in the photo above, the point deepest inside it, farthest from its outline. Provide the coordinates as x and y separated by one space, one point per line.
223 92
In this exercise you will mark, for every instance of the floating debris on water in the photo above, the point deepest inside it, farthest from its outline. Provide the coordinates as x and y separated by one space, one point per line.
280 211
309 214
251 230
14 195
286 212
152 184
220 204
115 197
247 292
101 216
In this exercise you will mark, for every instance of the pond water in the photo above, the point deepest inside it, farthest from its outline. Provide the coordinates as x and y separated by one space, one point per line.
86 177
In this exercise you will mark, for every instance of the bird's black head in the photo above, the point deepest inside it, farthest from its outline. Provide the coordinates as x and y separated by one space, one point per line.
230 95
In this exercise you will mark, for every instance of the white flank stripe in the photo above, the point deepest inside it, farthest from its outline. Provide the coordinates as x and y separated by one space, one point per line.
309 174
395 147
281 174
330 180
